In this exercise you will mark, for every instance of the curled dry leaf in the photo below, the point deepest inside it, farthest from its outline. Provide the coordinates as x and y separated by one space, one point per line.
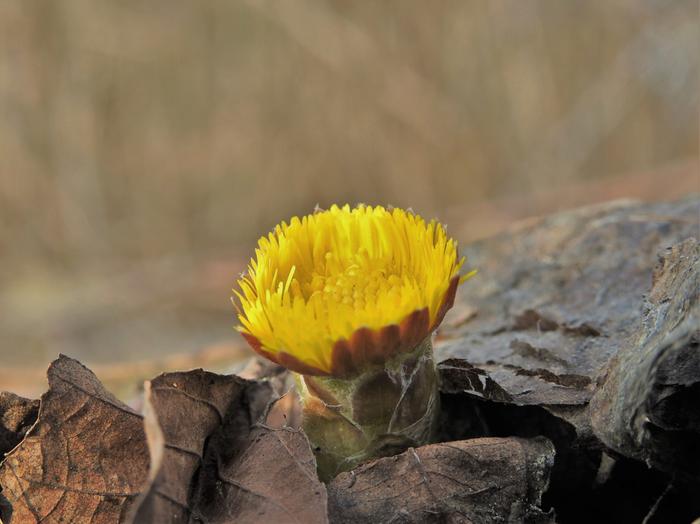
561 318
479 480
217 453
84 460
17 415
647 406
558 297
220 456
258 368
458 376
182 410
273 480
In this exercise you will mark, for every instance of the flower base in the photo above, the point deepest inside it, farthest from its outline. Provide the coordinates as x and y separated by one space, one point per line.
378 413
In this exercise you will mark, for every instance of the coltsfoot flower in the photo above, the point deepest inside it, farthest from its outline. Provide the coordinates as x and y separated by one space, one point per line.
348 298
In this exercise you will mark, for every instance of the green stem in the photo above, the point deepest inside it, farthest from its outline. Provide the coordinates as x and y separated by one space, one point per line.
379 413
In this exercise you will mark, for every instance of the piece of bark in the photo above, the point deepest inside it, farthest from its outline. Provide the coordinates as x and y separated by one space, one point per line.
479 480
212 460
557 297
647 405
84 460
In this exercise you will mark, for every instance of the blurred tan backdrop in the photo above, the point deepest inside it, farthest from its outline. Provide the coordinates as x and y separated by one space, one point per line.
144 146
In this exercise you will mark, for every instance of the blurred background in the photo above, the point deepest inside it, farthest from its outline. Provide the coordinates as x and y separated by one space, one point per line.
145 146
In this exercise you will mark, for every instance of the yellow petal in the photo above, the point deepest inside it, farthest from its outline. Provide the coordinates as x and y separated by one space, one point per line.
316 280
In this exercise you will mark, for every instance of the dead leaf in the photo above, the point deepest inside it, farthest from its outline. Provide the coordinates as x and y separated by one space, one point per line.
458 376
272 479
479 480
218 459
647 406
560 296
17 415
181 411
85 458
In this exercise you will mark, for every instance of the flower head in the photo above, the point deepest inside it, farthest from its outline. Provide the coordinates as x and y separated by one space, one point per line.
340 290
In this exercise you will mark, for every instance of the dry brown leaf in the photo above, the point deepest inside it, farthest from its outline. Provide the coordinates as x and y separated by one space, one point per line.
479 480
560 296
213 461
458 376
84 460
17 415
182 410
647 404
273 479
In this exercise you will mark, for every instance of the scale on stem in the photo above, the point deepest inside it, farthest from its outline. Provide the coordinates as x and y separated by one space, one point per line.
348 298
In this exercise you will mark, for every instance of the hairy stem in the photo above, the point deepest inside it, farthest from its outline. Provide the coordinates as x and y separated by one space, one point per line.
378 413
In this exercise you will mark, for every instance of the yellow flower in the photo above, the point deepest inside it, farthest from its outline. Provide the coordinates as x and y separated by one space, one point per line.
340 290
